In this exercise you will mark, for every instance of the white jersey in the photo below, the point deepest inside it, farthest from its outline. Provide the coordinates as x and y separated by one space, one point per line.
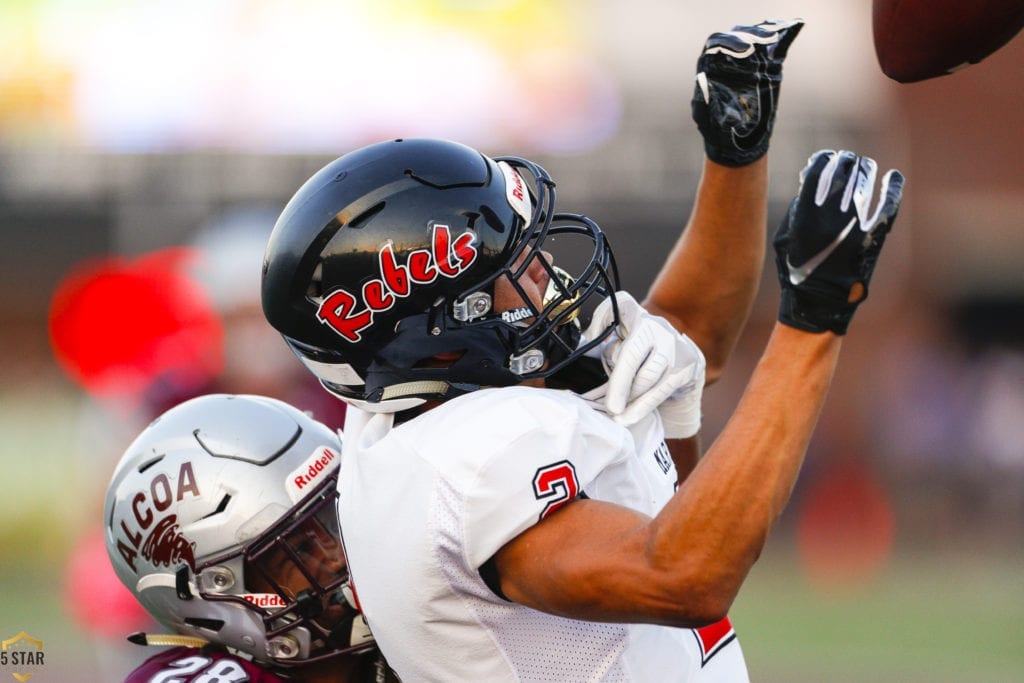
425 504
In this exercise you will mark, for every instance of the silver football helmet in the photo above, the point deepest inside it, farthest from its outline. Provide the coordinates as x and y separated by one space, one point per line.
221 519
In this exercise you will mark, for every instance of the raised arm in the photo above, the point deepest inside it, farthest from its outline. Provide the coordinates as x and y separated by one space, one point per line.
707 285
722 249
596 561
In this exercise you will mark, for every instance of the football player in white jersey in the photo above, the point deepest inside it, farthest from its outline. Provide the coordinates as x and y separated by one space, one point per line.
497 526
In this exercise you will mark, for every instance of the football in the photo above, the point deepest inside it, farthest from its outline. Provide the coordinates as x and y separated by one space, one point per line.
920 39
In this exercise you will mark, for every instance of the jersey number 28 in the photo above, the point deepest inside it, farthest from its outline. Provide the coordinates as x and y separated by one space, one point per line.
213 671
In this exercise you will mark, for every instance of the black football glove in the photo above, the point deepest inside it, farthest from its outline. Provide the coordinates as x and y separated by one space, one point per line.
737 91
827 245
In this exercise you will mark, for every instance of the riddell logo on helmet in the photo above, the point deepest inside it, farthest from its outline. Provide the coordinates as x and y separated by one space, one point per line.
311 471
517 314
515 191
445 258
264 599
316 467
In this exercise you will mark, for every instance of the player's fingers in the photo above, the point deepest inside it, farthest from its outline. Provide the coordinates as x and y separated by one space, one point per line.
648 403
860 190
809 175
650 373
760 34
889 201
732 44
775 33
626 359
787 32
672 382
835 177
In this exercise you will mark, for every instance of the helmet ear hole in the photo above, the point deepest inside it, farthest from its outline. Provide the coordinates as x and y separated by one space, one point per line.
214 625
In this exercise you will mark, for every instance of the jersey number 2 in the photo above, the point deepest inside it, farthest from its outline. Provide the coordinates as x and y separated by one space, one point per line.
556 482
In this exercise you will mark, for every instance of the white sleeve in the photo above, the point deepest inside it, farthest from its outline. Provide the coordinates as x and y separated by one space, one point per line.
545 451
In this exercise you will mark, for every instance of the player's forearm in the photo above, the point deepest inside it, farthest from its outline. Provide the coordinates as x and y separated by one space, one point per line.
708 284
717 524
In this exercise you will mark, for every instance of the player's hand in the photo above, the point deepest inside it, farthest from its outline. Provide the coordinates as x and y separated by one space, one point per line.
827 245
650 366
737 91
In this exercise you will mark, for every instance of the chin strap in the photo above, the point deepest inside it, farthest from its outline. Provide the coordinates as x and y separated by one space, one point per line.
167 640
414 388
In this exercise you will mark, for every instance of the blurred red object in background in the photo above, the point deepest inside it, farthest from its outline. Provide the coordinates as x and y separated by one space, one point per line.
117 325
845 526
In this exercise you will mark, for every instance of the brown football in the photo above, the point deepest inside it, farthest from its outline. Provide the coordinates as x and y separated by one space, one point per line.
920 39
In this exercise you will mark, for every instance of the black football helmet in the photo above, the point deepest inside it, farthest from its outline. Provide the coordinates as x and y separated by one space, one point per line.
388 256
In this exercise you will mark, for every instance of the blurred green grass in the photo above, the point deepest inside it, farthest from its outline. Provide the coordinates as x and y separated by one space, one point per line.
941 615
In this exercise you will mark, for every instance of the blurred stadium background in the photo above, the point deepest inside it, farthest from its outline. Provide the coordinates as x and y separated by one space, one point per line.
146 145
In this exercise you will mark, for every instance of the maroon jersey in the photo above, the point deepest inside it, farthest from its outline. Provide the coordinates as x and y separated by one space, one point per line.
189 665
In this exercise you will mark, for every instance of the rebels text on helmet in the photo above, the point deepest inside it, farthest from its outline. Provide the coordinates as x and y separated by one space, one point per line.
348 315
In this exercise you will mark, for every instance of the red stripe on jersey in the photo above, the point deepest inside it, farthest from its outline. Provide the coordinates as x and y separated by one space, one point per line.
713 638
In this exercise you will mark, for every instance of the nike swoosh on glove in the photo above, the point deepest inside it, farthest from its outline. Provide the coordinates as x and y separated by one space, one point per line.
650 366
